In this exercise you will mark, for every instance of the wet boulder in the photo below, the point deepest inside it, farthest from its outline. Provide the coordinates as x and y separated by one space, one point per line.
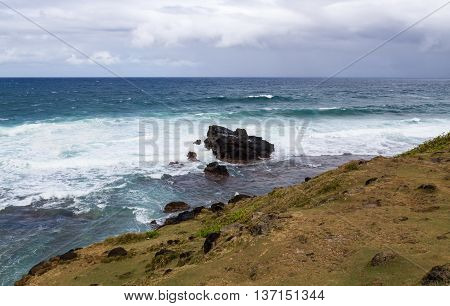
176 206
215 170
236 146
192 156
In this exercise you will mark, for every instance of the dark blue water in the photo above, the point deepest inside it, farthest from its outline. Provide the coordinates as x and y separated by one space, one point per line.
71 170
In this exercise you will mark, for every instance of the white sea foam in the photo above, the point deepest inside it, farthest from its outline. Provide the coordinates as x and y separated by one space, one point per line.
75 159
260 96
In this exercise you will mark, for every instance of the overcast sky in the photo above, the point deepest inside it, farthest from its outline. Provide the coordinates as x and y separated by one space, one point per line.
225 38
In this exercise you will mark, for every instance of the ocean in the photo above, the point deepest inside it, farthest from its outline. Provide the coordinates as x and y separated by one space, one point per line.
82 159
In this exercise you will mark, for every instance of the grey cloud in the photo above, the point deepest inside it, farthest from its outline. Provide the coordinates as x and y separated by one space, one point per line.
226 37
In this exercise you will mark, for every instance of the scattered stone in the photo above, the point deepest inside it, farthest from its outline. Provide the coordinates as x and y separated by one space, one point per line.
307 179
371 180
214 169
302 239
400 219
175 206
192 156
209 242
164 252
383 258
216 207
427 187
253 273
426 209
116 252
68 255
372 203
443 236
198 142
167 271
239 197
438 276
184 216
40 268
236 146
184 258
262 225
171 242
162 258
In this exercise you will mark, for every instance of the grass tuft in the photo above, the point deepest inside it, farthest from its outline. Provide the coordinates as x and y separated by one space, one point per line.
440 143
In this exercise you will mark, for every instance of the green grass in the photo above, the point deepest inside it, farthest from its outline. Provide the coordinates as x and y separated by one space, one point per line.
152 234
440 143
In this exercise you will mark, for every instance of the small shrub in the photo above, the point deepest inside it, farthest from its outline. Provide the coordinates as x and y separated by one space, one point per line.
352 166
152 234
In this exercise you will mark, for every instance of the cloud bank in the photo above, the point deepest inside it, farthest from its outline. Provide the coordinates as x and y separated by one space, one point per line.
228 37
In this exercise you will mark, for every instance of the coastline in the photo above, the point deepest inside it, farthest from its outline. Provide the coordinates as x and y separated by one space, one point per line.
331 227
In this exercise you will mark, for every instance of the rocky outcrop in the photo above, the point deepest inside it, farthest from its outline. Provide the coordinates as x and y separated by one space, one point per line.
175 206
216 207
210 241
215 170
239 197
438 276
383 258
184 216
117 252
192 156
237 146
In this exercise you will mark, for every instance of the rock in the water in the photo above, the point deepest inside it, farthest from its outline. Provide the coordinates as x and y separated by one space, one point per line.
198 142
236 146
307 179
209 242
166 176
383 258
176 164
216 207
119 251
438 276
214 169
175 206
192 156
238 198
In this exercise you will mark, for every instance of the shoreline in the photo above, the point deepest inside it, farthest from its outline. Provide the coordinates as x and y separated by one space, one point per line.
253 220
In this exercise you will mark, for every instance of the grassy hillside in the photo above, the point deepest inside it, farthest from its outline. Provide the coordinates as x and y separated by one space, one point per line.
382 222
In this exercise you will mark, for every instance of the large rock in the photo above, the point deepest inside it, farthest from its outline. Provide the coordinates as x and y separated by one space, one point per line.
438 276
175 206
214 169
210 242
236 146
184 216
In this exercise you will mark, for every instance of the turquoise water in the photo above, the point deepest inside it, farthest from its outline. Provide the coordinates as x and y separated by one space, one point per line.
71 169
